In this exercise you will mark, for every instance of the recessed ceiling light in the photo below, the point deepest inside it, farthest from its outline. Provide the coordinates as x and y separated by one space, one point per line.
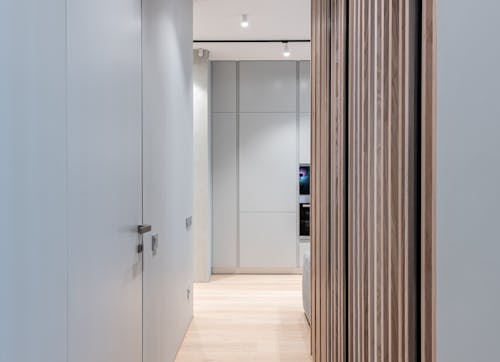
244 21
286 50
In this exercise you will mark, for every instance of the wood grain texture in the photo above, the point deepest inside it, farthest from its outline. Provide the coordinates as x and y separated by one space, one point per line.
428 176
381 323
247 318
373 129
328 183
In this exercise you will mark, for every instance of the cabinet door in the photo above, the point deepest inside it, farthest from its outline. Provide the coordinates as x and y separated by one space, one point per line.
224 173
224 87
268 240
268 162
268 190
305 138
268 86
305 87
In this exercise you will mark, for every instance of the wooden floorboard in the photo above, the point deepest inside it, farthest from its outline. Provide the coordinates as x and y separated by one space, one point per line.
242 318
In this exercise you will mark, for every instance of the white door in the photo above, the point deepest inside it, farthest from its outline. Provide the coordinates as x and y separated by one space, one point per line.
104 180
168 175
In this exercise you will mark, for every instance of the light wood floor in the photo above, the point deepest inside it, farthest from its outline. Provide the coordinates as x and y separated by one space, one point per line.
242 318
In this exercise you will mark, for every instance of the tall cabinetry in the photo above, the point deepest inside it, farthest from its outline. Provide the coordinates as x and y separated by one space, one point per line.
257 129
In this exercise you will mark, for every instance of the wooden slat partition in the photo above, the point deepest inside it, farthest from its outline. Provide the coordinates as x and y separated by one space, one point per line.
381 193
373 190
328 183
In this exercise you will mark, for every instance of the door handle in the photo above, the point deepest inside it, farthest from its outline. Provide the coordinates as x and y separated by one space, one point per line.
143 229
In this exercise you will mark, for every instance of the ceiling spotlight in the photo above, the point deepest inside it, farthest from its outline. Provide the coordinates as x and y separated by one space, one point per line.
286 50
244 21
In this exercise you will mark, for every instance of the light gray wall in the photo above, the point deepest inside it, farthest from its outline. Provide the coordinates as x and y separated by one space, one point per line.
168 174
104 180
70 179
468 179
33 198
202 227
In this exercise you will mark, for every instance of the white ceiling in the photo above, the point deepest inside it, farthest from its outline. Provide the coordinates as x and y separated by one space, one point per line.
269 19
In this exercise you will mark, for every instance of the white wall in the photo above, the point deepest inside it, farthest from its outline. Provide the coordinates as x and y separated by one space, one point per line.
168 174
33 220
104 180
202 226
70 179
468 179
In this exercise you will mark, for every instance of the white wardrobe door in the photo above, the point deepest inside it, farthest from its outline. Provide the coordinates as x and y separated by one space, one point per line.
268 240
268 162
304 247
305 138
268 86
223 87
104 178
268 190
305 87
224 173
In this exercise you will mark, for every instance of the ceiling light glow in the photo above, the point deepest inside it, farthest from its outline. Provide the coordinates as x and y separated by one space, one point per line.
244 21
286 51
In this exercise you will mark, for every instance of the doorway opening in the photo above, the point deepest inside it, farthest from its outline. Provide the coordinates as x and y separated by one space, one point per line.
252 110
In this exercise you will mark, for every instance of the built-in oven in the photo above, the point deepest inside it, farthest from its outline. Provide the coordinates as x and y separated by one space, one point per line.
305 220
304 200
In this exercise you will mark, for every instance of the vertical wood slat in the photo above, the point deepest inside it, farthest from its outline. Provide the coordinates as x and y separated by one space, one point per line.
315 98
371 264
328 160
428 183
337 156
379 194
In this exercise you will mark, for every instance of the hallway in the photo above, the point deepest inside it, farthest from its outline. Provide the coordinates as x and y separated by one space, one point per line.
247 318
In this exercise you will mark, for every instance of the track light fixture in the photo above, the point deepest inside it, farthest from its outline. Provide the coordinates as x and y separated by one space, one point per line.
286 50
244 21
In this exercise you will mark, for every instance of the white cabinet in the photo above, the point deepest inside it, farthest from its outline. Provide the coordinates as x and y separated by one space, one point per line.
268 86
304 112
305 138
304 247
268 240
224 176
259 139
268 190
268 162
305 87
224 87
